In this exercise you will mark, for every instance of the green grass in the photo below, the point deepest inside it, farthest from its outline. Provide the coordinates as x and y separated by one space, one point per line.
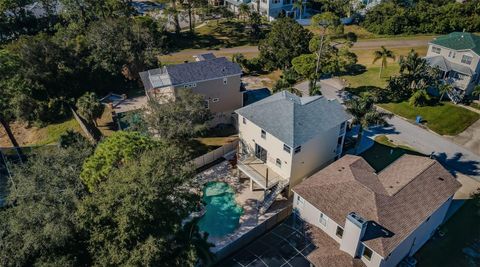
462 230
370 77
51 133
444 118
384 152
215 34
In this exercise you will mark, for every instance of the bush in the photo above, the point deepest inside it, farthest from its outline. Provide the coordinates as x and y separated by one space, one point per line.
419 99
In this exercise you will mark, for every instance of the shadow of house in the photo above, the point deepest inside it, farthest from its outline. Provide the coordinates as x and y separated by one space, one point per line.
456 164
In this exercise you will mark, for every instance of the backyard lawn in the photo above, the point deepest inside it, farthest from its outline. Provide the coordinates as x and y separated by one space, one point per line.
462 235
384 152
445 118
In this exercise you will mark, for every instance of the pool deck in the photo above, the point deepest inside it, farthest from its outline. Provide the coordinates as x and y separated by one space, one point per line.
250 219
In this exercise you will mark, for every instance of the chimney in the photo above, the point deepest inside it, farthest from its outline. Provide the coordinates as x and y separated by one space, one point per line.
353 233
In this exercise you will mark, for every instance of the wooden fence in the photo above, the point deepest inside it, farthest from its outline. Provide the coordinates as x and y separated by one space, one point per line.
212 156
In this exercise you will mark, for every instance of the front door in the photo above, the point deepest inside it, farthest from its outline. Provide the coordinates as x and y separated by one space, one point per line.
260 153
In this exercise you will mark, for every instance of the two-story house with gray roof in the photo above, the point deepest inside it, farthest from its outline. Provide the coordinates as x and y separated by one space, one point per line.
217 79
285 138
359 217
457 55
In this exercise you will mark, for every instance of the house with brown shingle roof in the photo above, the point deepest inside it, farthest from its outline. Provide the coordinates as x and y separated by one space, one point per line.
377 219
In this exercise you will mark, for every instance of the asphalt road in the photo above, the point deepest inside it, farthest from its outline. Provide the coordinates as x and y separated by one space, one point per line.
453 156
360 45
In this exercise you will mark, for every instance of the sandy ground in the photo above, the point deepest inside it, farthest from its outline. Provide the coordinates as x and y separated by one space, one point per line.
24 135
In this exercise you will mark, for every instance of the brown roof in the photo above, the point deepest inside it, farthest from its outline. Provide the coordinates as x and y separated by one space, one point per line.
327 252
399 198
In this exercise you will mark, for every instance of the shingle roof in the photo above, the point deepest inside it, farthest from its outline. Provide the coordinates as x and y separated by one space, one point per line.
206 56
193 71
293 119
399 198
459 41
327 251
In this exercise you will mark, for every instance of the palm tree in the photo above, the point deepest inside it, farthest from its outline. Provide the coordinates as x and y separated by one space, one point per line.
243 11
444 89
298 5
89 107
384 54
365 115
476 91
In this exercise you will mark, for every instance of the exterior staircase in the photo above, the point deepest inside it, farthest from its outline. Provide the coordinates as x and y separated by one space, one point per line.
454 96
271 196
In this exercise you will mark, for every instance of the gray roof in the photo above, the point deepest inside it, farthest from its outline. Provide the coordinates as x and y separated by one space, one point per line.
293 119
446 65
192 72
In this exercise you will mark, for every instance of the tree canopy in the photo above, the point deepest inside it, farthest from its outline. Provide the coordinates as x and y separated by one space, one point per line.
115 150
286 40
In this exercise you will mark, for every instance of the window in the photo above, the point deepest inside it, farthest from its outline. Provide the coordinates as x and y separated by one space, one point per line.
323 219
224 80
275 1
264 134
286 149
207 104
278 162
339 232
298 149
452 54
467 60
340 139
436 50
215 100
367 253
300 201
244 121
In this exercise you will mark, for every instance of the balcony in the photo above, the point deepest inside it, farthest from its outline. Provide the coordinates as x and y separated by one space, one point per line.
259 172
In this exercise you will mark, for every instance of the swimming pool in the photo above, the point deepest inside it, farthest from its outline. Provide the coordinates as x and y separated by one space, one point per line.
222 211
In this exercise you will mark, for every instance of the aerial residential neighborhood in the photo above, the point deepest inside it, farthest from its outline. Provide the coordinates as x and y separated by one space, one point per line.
271 133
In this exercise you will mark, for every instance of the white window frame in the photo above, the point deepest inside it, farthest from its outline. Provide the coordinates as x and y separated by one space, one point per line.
278 162
467 60
436 50
216 99
322 219
244 120
363 253
287 149
225 81
207 104
298 149
263 134
300 201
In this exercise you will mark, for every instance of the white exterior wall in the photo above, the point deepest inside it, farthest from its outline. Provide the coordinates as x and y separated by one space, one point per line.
250 134
418 238
311 215
458 56
407 247
315 154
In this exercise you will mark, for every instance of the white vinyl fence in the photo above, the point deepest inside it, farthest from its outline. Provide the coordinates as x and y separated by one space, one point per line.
212 156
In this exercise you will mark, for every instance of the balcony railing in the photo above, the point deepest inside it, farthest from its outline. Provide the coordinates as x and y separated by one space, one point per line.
259 172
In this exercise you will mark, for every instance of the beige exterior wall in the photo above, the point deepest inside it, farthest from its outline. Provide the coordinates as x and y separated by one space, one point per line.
408 247
313 156
223 96
316 154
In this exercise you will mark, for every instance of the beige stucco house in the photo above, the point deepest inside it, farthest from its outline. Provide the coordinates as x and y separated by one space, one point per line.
457 56
217 79
285 138
372 219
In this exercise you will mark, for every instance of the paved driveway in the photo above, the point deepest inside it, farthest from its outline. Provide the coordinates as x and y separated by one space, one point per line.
454 156
470 138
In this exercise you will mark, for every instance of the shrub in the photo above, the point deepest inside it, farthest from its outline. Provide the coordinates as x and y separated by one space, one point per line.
419 99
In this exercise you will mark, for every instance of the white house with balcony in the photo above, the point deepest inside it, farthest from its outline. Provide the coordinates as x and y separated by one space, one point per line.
285 138
358 217
457 56
271 8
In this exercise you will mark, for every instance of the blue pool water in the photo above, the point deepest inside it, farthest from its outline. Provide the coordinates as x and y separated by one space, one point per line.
222 211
